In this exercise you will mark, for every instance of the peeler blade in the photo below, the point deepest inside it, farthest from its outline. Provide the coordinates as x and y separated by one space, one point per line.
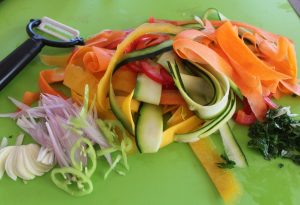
57 29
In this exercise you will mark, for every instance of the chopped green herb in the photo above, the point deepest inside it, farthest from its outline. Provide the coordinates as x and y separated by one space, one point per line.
277 136
227 164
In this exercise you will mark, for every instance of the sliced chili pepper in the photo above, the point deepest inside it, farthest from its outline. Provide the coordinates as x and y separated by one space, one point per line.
72 181
83 149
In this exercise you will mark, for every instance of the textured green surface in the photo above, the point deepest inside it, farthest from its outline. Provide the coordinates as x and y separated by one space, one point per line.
172 176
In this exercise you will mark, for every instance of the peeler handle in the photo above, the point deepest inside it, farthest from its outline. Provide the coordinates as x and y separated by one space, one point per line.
18 59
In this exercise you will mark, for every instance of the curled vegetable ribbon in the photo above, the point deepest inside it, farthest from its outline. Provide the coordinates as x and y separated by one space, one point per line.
105 84
48 77
97 59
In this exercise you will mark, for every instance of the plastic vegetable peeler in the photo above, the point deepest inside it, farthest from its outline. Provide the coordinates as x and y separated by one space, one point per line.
21 56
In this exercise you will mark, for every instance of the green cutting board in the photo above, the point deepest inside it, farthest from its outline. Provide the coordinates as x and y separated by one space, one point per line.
173 175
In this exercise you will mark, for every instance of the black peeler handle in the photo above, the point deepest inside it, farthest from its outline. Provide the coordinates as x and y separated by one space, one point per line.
18 59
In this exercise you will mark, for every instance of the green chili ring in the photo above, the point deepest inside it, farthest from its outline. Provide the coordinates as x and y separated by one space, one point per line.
85 148
72 181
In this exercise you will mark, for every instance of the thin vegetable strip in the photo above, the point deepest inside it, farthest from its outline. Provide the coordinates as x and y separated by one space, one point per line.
224 180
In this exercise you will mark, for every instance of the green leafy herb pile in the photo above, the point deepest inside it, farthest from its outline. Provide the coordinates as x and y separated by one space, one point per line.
277 136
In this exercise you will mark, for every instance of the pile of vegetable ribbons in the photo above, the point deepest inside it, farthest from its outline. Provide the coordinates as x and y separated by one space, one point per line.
161 82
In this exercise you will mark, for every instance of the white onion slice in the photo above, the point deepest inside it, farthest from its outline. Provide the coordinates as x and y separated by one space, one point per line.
4 152
10 164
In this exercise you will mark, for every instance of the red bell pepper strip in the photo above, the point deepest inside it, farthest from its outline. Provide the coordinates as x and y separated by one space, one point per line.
157 73
151 71
154 71
168 82
243 118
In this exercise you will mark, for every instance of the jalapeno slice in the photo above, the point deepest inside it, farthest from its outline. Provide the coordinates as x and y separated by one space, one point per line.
83 156
72 181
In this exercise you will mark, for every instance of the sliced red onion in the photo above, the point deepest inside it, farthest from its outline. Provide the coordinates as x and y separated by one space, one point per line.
270 103
19 104
49 124
9 115
58 150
